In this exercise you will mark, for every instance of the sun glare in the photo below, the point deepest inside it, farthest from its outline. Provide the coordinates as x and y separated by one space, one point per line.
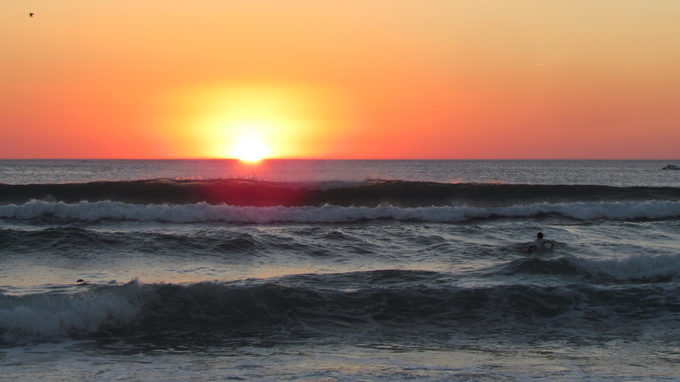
249 149
251 123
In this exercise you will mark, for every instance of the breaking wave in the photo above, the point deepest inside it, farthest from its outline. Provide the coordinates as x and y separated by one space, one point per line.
50 316
640 267
224 311
204 212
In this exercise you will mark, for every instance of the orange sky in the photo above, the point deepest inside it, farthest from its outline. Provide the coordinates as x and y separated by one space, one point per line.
341 79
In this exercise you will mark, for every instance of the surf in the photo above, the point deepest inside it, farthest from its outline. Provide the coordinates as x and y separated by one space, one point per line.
299 306
204 212
369 193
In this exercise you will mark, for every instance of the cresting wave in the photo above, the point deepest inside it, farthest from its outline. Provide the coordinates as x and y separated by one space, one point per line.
640 267
239 192
646 268
204 212
298 305
49 316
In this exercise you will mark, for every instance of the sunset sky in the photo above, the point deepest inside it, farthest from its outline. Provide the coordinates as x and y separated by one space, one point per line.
341 79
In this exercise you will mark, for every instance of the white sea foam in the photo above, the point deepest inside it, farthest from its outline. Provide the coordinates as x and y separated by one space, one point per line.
638 267
52 316
87 211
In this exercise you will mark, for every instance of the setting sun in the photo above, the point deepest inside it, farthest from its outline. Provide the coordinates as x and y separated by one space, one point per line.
249 149
289 121
339 79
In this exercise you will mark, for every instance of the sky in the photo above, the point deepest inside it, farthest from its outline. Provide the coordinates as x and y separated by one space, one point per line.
340 79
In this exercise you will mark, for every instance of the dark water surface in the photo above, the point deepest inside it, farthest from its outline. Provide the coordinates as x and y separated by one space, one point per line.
339 270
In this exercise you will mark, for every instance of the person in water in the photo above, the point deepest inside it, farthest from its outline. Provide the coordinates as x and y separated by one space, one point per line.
539 244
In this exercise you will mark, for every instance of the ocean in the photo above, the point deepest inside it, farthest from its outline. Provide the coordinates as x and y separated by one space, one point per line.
303 270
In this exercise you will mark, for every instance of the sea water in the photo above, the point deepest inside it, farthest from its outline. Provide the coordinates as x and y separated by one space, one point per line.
339 270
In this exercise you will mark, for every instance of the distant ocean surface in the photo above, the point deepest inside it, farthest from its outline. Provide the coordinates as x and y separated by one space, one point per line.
302 270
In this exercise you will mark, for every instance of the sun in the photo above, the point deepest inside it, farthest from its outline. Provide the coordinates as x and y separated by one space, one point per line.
249 149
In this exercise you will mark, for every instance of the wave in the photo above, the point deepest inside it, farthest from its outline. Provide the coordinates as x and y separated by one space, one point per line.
50 316
204 212
226 311
74 242
373 193
640 267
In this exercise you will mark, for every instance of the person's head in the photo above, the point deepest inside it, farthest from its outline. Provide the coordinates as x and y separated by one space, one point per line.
539 235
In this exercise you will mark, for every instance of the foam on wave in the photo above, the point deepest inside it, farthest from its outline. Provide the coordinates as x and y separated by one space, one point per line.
257 308
638 267
53 316
203 212
642 267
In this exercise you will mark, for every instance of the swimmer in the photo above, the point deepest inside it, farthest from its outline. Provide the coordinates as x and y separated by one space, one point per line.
538 244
